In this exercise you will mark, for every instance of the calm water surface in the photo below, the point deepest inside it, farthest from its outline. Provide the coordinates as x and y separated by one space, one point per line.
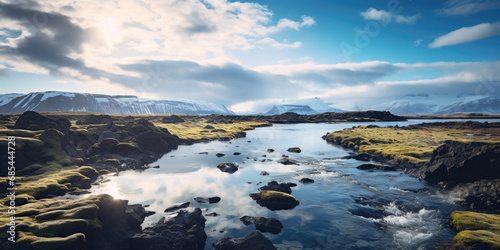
411 214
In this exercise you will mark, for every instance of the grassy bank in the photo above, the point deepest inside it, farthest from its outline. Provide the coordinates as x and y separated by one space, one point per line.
413 144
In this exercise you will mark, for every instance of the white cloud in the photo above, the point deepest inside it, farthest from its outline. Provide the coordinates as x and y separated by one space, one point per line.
467 34
273 43
467 7
387 17
418 42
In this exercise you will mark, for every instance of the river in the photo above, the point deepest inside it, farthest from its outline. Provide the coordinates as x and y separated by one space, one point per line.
403 212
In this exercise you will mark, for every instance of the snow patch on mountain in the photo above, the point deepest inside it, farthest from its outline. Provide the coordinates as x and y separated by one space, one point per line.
303 107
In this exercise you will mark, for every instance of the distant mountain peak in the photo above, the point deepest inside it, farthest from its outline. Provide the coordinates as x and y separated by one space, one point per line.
303 106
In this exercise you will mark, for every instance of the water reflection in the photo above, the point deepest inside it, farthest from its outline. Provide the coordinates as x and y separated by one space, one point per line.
323 218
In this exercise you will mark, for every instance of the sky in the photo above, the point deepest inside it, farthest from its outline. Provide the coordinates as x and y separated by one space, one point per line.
249 55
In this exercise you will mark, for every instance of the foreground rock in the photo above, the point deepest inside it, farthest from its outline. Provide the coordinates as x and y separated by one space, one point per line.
254 240
33 121
185 229
265 225
476 230
275 186
228 167
306 181
275 200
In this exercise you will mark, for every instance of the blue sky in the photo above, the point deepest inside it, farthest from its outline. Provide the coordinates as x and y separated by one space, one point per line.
249 55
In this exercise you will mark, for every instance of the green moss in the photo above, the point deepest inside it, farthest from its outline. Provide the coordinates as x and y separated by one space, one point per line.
401 144
73 241
477 230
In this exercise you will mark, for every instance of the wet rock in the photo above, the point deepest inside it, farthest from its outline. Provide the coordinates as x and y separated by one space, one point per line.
306 181
219 154
254 240
214 214
228 167
210 200
172 119
275 200
275 186
367 212
135 215
264 173
294 150
185 229
287 161
209 127
203 153
270 150
265 225
371 166
291 184
176 207
236 153
362 157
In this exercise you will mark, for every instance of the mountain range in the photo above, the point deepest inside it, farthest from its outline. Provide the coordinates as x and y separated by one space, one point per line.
126 104
118 104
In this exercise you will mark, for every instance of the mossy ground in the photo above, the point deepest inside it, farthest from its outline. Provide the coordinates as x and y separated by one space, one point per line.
414 145
476 230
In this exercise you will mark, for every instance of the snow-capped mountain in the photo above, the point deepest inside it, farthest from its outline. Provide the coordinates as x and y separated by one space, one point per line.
65 101
442 104
303 107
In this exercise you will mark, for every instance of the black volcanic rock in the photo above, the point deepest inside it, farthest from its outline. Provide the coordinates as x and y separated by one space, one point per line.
275 186
228 167
34 121
172 119
275 200
306 181
253 241
184 230
462 162
176 207
286 161
265 225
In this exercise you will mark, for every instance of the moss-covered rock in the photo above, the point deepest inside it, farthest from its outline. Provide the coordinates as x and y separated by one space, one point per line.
477 230
275 200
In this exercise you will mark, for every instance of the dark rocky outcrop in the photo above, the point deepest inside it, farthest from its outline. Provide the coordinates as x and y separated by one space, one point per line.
275 186
253 241
265 225
275 200
184 230
172 119
34 121
228 167
457 162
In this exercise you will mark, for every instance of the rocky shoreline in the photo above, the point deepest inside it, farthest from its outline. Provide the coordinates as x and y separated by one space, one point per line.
468 168
65 153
